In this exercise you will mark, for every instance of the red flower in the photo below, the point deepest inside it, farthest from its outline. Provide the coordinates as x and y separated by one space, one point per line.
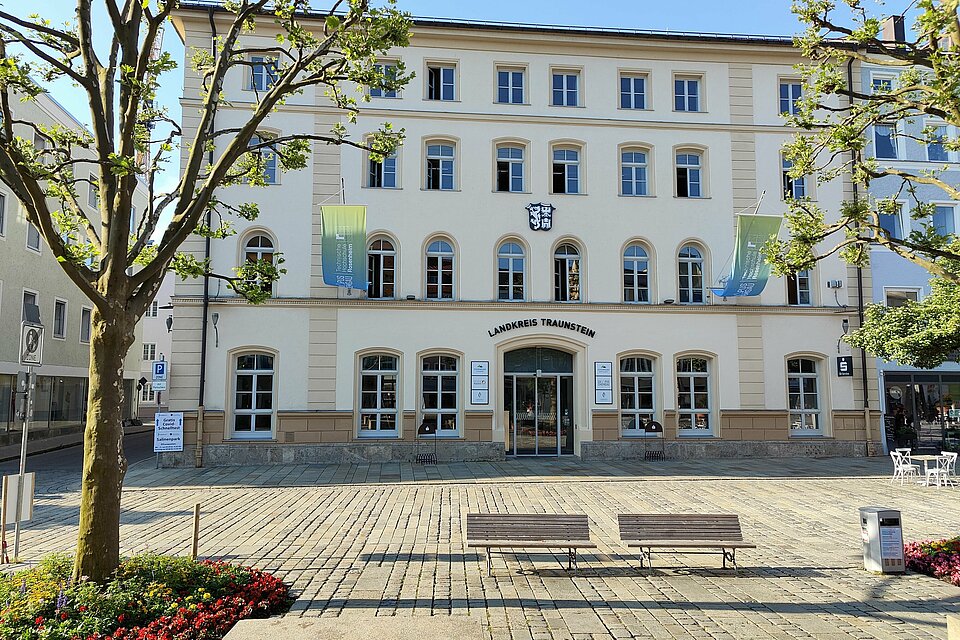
63 616
39 621
82 608
120 618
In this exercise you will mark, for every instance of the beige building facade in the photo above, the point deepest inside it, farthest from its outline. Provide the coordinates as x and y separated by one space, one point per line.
486 331
29 273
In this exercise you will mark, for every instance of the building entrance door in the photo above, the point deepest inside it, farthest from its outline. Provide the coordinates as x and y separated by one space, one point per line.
539 403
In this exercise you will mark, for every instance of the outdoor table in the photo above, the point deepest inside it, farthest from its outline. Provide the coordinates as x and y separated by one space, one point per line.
926 459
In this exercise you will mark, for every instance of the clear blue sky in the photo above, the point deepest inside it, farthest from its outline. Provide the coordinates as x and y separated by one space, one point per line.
758 17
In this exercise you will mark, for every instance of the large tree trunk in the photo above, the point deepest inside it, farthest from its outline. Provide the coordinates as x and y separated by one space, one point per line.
104 465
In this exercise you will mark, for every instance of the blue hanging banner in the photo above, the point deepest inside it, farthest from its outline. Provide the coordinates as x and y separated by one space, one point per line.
750 270
343 246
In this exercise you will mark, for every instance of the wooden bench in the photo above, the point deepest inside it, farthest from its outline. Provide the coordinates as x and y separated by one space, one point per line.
687 532
529 530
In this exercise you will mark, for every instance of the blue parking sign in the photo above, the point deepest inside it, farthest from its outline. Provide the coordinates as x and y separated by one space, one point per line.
160 370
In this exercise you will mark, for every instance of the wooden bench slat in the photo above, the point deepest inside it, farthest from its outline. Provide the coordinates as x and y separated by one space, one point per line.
545 544
690 544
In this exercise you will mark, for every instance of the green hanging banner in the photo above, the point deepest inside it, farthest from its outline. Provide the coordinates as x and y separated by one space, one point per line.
344 246
750 270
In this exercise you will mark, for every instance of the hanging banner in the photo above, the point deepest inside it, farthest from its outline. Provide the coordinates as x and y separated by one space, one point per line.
750 270
344 246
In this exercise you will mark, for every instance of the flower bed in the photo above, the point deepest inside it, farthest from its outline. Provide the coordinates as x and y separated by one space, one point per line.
151 597
937 558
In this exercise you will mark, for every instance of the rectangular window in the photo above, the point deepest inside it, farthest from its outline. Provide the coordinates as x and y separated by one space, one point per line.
566 171
441 82
510 83
93 191
440 168
439 394
29 299
383 175
263 73
693 397
153 310
33 238
686 93
378 395
944 219
804 397
566 89
793 188
892 222
633 173
790 93
147 394
899 297
882 84
633 91
85 320
885 141
798 288
149 351
3 215
688 175
510 169
936 152
60 319
389 71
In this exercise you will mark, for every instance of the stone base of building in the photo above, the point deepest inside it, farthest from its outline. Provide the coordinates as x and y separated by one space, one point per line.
237 454
699 449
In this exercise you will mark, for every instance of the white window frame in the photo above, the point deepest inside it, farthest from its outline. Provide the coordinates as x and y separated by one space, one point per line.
33 230
637 414
440 411
439 254
895 140
792 108
253 412
902 216
951 155
380 374
688 180
260 252
269 72
566 73
442 160
153 310
901 289
562 271
377 172
66 318
380 254
954 219
271 165
86 324
147 394
695 431
3 215
636 288
882 78
567 164
689 288
511 164
388 94
632 77
149 351
686 96
93 194
797 284
441 66
634 167
510 87
792 188
802 412
23 306
503 253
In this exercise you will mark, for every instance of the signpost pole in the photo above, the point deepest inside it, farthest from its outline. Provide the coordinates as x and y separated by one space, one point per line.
28 413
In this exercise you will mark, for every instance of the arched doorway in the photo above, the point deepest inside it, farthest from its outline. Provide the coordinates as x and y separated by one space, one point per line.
538 401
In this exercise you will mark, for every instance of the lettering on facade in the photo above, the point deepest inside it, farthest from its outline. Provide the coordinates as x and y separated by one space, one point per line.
542 322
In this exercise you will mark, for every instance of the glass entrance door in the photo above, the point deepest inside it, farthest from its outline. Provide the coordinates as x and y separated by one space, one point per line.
541 414
525 416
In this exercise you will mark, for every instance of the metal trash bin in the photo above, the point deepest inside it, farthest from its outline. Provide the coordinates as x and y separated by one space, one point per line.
882 535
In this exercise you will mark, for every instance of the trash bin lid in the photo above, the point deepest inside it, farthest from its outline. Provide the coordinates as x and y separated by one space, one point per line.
653 427
427 429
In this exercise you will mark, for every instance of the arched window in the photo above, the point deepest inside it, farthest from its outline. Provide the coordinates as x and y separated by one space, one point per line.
378 394
566 169
689 179
636 274
694 404
253 395
566 273
637 397
440 170
260 247
268 157
690 270
381 269
510 271
440 270
439 392
510 169
804 396
633 172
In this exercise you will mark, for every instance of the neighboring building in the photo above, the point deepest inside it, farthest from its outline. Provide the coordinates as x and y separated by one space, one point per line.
502 337
157 324
930 398
30 273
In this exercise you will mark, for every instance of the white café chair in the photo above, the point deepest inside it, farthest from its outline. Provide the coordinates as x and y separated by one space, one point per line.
946 470
903 468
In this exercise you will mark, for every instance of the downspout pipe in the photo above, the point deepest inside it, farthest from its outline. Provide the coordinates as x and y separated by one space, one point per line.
198 460
860 307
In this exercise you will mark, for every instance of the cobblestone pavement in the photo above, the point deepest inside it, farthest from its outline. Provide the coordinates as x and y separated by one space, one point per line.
388 540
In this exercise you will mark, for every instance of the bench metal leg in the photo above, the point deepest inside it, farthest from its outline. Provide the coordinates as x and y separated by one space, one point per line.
730 555
489 564
646 554
572 560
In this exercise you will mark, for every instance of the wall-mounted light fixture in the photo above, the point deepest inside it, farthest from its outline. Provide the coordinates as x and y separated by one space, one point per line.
169 324
215 318
846 328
